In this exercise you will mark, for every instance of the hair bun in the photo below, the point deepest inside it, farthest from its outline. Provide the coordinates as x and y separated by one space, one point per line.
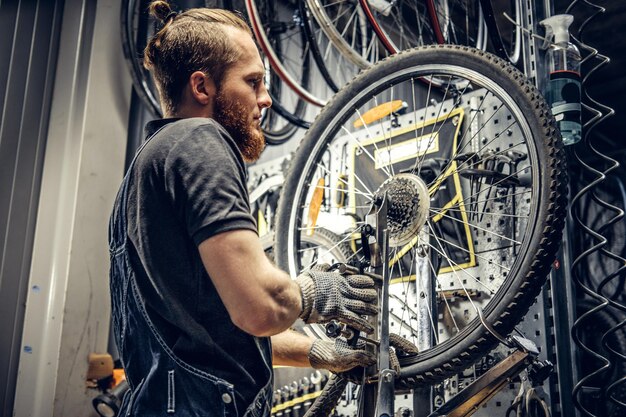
161 10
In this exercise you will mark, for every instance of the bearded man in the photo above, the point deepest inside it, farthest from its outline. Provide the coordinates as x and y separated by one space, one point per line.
200 314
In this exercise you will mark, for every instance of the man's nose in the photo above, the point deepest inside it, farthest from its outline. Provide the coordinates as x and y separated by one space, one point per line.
264 100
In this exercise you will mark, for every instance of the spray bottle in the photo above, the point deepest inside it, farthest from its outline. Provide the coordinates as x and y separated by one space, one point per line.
564 88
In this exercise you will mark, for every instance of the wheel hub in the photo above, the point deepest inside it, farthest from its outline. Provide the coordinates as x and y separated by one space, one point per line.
408 205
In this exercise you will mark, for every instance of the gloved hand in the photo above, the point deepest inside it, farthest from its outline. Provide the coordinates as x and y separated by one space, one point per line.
330 295
398 346
338 356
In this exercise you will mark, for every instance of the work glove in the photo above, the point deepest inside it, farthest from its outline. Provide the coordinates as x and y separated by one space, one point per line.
332 296
337 356
399 346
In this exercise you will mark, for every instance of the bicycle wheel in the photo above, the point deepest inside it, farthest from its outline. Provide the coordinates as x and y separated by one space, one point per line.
505 36
333 66
282 120
459 22
400 24
287 42
403 25
347 28
266 27
478 157
134 34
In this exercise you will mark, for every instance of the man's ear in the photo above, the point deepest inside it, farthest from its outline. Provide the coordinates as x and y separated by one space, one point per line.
202 88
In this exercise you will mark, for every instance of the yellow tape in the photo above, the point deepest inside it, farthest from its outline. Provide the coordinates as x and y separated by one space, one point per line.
295 401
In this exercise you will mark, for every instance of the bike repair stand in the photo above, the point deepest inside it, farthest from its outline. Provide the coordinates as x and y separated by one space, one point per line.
375 243
426 316
377 235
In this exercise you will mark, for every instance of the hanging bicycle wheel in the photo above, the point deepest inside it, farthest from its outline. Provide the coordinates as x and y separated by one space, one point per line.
334 67
458 22
346 27
505 35
135 31
286 41
474 169
288 64
403 25
282 120
400 24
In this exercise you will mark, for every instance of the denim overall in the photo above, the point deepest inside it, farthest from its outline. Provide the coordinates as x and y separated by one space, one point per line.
161 384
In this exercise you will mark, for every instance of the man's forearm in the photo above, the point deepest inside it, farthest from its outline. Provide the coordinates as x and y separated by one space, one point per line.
291 348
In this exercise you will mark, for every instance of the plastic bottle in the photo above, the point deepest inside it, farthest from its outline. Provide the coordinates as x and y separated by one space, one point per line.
564 88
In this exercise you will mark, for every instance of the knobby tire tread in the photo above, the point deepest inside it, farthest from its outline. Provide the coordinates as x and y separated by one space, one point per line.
329 398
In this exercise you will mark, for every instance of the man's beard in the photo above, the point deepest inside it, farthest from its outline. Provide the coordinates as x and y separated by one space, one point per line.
232 116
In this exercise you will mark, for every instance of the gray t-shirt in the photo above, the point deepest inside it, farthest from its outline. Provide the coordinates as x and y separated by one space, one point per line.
188 184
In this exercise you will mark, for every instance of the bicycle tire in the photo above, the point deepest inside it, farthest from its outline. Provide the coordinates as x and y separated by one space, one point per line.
323 238
281 121
139 76
279 124
329 397
434 18
332 63
539 224
275 62
437 22
513 52
315 48
292 118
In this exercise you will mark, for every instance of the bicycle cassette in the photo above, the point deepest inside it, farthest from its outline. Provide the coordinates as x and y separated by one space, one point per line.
409 202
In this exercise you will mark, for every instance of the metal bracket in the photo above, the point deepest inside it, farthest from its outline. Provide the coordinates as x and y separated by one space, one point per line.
378 243
466 402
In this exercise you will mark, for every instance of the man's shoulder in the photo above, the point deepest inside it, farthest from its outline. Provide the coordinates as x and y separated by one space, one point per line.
184 128
191 144
183 136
